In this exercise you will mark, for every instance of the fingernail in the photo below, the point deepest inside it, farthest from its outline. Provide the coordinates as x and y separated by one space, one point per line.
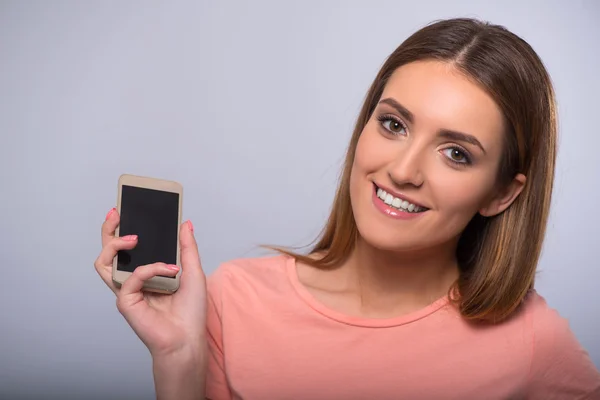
191 225
129 238
112 210
173 267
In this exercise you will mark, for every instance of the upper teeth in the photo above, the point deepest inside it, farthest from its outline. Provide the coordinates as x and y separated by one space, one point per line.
397 203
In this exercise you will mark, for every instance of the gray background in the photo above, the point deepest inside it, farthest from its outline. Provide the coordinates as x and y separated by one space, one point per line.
250 106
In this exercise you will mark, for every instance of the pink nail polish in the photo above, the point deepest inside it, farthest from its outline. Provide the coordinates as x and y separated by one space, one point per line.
129 238
112 210
173 267
191 225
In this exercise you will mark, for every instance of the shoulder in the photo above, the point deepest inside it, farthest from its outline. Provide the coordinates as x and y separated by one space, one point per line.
545 322
550 331
249 274
560 366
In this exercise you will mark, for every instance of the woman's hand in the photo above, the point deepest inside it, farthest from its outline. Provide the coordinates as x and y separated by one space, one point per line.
168 324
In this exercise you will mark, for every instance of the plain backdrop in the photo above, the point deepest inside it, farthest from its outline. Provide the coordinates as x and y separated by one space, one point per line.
250 105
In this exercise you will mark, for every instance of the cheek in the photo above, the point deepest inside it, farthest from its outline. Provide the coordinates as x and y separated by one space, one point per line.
460 193
357 175
372 150
366 161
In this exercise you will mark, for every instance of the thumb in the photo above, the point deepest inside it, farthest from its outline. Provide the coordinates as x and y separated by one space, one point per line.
190 259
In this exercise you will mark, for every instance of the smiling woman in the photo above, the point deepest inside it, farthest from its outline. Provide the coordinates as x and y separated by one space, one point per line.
434 234
457 118
421 285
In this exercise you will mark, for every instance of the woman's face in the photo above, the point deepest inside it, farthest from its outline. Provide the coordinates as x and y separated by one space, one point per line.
427 160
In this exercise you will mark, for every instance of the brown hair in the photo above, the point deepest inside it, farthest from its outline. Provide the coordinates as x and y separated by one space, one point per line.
497 255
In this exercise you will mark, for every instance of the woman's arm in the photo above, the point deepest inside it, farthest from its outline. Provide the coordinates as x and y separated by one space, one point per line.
560 368
216 383
181 376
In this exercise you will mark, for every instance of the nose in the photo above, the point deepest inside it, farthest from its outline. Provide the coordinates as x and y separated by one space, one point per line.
407 168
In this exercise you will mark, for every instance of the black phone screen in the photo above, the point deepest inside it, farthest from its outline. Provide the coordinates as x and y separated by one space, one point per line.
153 215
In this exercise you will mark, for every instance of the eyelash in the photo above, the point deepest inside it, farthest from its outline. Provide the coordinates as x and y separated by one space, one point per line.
387 117
465 154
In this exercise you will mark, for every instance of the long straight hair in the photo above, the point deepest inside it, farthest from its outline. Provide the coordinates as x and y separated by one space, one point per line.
497 255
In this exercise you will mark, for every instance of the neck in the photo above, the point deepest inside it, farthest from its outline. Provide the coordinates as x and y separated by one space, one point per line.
386 280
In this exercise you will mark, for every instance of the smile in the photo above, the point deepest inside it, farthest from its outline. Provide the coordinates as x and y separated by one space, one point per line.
398 203
395 206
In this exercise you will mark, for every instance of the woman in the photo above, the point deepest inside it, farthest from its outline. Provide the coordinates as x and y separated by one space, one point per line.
421 285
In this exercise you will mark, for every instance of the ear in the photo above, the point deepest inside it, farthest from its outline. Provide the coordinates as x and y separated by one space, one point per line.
504 198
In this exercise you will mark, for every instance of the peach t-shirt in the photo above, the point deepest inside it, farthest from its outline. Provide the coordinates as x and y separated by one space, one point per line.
269 339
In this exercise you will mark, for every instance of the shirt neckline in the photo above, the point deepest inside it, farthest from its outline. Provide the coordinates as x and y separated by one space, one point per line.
316 305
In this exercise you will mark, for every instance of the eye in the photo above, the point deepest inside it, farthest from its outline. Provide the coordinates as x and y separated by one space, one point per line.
457 155
392 124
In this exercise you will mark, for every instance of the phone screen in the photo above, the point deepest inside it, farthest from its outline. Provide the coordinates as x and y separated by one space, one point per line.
153 215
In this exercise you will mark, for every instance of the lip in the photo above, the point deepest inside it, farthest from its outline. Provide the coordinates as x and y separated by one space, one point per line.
400 196
391 211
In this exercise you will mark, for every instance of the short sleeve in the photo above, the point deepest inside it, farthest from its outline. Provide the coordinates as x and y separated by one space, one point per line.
216 379
560 367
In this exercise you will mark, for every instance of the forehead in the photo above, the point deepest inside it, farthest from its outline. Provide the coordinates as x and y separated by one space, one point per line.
441 97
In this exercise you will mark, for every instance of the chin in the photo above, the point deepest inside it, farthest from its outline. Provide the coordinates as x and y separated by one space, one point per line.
395 241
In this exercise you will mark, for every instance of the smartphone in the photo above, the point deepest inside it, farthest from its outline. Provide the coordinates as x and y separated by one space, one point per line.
151 209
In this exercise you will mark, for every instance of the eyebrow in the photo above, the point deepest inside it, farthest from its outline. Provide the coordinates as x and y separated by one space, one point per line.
445 133
400 108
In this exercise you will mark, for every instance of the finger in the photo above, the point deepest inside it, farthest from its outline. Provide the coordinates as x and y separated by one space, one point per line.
109 251
190 259
104 261
109 226
130 292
